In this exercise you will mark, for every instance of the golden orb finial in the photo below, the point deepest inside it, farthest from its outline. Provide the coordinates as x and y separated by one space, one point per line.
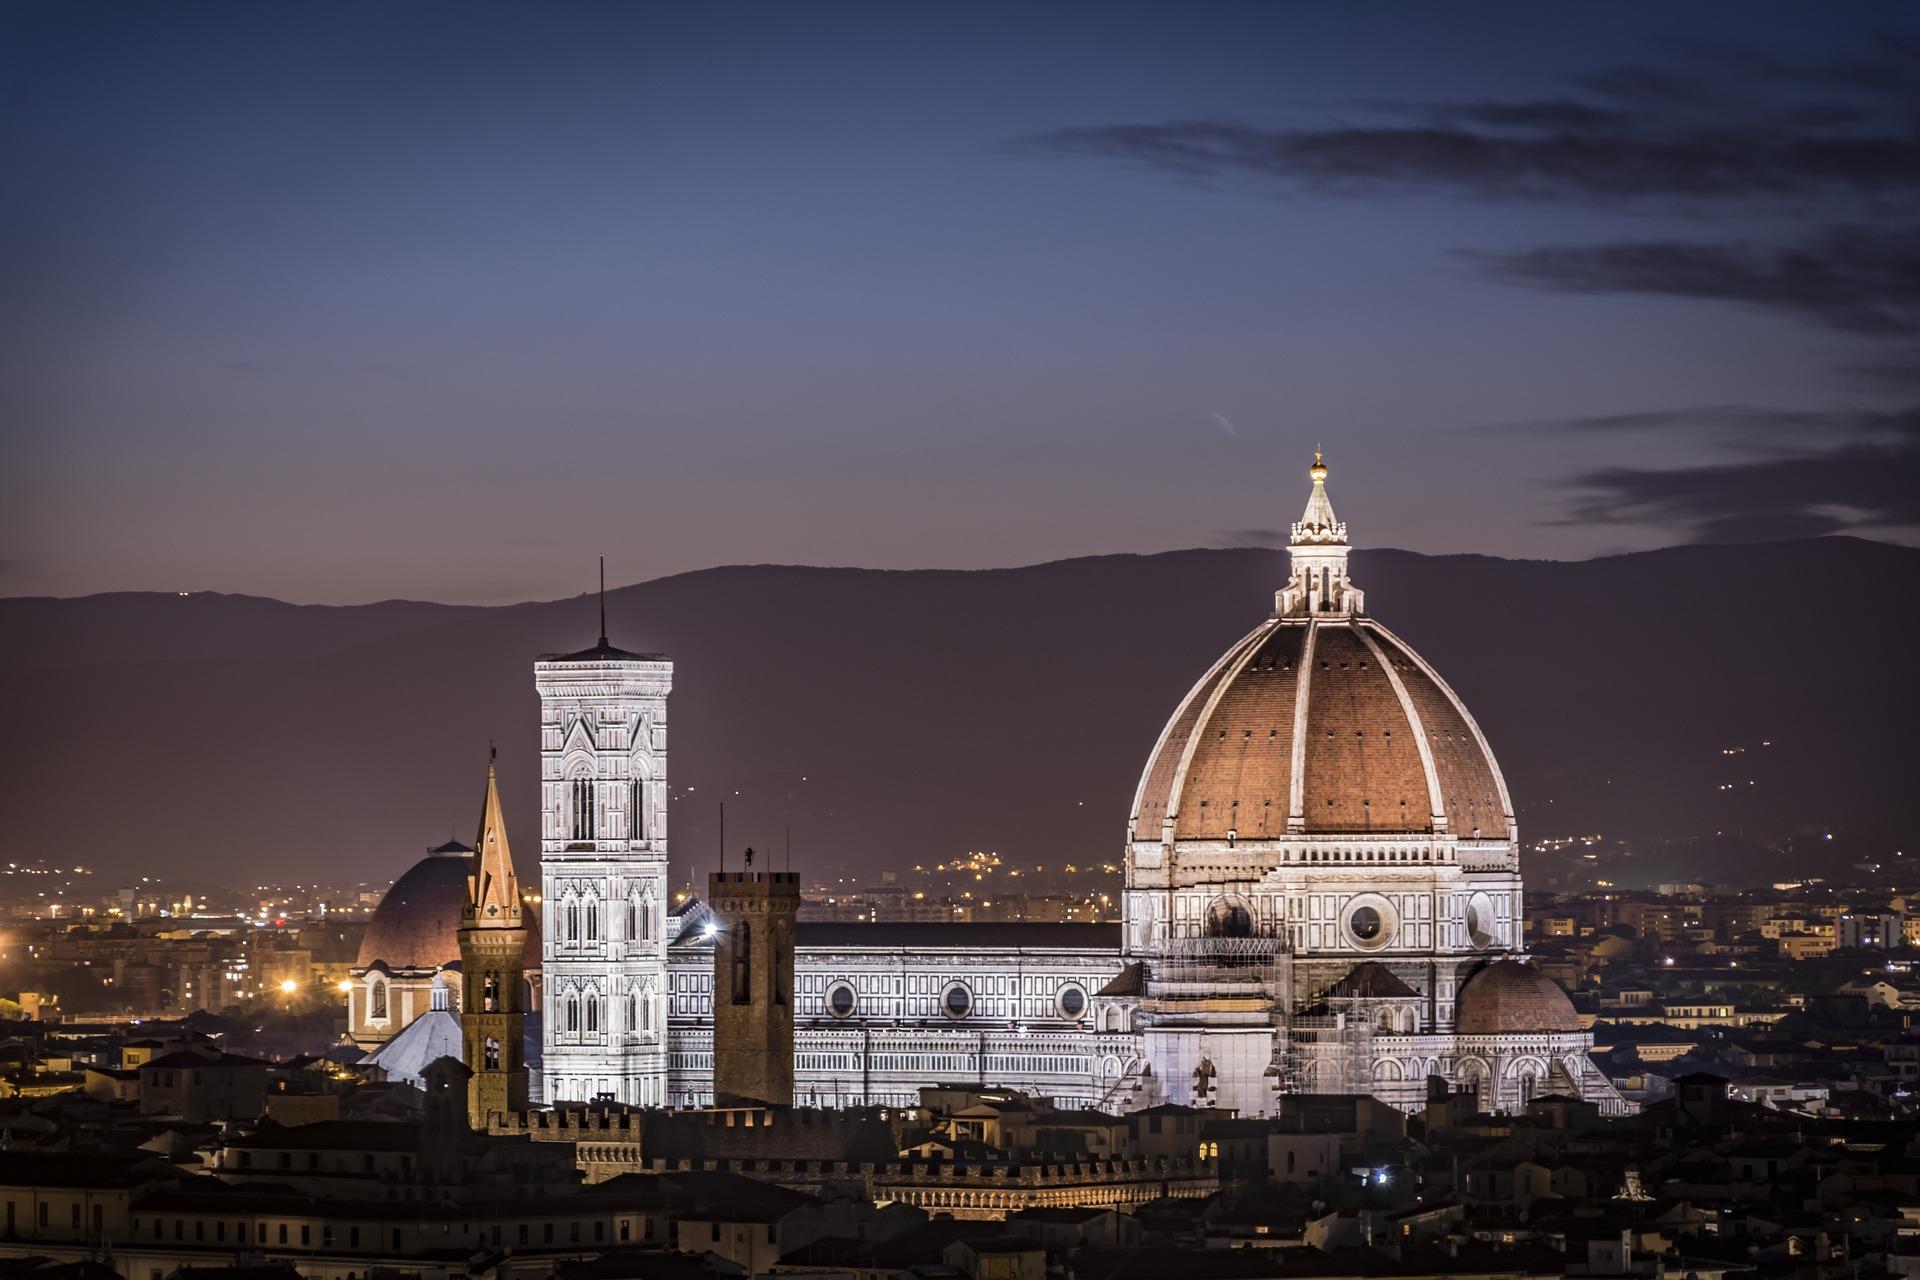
1319 468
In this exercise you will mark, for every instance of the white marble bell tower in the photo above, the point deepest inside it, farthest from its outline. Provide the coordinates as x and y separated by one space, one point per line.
603 872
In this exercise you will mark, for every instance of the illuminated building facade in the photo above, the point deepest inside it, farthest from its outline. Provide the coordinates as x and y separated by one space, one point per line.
1322 895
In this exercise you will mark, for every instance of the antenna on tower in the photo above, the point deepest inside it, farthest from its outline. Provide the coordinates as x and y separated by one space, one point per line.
603 602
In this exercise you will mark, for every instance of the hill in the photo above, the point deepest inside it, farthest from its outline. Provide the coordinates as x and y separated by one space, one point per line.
900 717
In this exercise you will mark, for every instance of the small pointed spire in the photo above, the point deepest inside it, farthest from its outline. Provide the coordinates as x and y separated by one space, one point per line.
493 894
1317 524
1318 583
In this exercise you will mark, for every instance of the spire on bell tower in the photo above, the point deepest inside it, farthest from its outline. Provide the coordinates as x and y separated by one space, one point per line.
493 893
1318 583
494 995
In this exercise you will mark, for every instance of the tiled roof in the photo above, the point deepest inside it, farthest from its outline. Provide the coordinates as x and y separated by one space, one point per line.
1508 997
1379 743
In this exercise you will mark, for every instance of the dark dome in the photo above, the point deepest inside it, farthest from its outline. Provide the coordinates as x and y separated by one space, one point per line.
417 924
1508 997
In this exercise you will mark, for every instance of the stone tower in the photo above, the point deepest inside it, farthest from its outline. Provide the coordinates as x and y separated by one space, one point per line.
603 873
493 1000
753 985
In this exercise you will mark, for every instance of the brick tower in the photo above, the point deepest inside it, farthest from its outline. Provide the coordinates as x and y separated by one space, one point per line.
753 985
493 985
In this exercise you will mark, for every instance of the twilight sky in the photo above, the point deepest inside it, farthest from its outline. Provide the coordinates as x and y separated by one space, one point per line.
339 302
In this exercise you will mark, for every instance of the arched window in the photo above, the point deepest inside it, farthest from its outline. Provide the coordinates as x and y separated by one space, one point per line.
582 818
490 992
593 920
573 920
378 1004
633 1010
593 1013
636 810
633 918
743 963
491 1054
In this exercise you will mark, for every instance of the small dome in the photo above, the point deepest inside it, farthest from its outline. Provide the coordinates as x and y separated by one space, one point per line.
417 924
1508 998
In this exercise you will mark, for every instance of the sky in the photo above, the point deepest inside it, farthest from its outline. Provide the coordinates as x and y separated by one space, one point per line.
342 302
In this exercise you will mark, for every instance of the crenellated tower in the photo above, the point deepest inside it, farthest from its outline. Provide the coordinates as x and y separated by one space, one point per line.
603 873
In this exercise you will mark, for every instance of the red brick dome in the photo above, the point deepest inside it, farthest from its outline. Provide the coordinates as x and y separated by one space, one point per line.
417 924
1320 725
1508 997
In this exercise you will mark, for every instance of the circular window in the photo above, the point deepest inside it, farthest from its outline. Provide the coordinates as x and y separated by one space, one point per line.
1482 923
1073 1002
1365 923
957 1000
1371 922
841 1000
1229 918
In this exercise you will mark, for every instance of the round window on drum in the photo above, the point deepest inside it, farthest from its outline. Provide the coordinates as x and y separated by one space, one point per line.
957 1000
1072 1002
842 1000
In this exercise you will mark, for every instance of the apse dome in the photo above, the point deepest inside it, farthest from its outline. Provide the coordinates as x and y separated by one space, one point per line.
417 924
1510 998
1320 721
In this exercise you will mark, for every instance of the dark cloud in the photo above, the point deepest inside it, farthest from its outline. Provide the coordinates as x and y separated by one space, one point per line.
1850 471
1858 279
1556 113
1648 85
1606 164
1733 129
1834 145
1254 538
1900 372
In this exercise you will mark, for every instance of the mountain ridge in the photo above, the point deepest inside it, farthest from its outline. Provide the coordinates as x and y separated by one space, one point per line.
934 711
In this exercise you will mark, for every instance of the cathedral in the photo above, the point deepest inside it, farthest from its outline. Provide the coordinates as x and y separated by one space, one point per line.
1322 896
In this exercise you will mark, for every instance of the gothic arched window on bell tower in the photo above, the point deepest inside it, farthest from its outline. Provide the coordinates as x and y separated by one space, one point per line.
491 1055
593 1012
593 920
582 816
743 964
573 1011
637 810
573 919
490 993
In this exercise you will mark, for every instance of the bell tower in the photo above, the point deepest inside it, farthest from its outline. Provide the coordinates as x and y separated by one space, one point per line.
493 941
603 873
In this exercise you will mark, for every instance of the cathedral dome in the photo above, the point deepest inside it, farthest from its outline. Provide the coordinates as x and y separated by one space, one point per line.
417 924
1320 722
1510 998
